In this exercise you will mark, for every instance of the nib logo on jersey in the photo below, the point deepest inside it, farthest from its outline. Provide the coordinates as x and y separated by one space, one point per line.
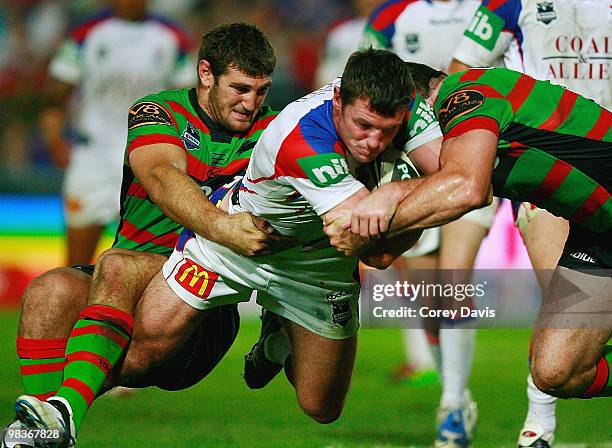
324 170
485 28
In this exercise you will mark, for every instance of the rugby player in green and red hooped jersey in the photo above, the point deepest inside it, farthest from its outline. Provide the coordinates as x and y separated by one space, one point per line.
537 142
180 142
214 155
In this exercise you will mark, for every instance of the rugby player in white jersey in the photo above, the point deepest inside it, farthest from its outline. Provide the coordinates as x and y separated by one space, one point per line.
105 64
567 43
413 30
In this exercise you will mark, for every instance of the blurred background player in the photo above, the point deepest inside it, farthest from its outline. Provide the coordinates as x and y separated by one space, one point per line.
414 30
342 40
566 42
105 64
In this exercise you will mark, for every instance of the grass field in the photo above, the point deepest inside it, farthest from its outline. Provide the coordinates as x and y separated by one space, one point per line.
222 412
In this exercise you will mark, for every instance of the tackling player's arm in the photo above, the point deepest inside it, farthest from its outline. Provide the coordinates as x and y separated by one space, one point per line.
372 215
462 184
378 253
457 66
161 169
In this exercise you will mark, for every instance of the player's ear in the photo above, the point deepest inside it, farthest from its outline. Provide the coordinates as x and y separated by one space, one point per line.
205 74
337 100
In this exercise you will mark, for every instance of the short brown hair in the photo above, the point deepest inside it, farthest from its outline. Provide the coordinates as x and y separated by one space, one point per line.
238 45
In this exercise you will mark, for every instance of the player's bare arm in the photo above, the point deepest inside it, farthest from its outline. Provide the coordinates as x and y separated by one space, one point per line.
462 184
373 215
161 170
381 204
456 66
376 253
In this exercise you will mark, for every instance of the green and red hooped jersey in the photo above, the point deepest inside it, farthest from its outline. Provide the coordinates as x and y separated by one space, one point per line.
555 146
214 157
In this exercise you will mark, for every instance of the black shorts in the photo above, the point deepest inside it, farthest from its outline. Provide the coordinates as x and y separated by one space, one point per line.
587 252
85 268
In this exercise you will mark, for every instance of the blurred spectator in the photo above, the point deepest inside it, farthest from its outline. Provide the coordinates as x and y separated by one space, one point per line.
106 64
342 39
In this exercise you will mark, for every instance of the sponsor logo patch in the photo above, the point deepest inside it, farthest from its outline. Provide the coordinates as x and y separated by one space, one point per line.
546 12
402 170
191 137
146 113
459 104
196 279
324 170
485 28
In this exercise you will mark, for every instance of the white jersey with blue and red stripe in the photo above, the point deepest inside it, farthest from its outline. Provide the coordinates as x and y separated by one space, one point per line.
567 42
113 62
299 170
423 31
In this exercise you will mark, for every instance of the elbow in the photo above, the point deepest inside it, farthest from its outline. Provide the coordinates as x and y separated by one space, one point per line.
473 196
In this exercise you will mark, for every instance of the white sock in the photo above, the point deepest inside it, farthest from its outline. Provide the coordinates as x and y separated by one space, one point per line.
457 349
277 347
542 407
417 352
436 356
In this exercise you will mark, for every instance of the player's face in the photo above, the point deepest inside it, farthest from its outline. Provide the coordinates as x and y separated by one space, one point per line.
234 99
364 132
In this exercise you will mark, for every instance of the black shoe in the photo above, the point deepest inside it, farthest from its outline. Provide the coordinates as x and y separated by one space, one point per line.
258 370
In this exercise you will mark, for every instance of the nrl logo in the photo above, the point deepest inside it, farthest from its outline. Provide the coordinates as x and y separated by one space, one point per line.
191 137
412 43
546 12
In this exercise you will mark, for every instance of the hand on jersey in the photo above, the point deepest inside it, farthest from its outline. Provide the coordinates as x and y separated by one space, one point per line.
372 216
249 235
337 228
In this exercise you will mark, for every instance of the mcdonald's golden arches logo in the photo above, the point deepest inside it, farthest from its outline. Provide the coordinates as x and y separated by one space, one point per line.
196 279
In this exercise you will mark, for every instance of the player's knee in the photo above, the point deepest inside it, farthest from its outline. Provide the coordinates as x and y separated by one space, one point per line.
321 410
553 379
113 264
58 289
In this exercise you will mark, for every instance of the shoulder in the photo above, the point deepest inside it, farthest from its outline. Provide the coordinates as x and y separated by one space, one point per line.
184 39
83 30
507 10
387 13
156 108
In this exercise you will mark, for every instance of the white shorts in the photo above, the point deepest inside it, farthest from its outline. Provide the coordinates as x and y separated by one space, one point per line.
91 192
430 239
326 308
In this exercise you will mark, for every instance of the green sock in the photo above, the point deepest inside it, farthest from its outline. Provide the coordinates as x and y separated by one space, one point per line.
41 363
96 343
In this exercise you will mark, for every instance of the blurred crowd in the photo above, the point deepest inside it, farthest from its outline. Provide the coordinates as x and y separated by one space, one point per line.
31 31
